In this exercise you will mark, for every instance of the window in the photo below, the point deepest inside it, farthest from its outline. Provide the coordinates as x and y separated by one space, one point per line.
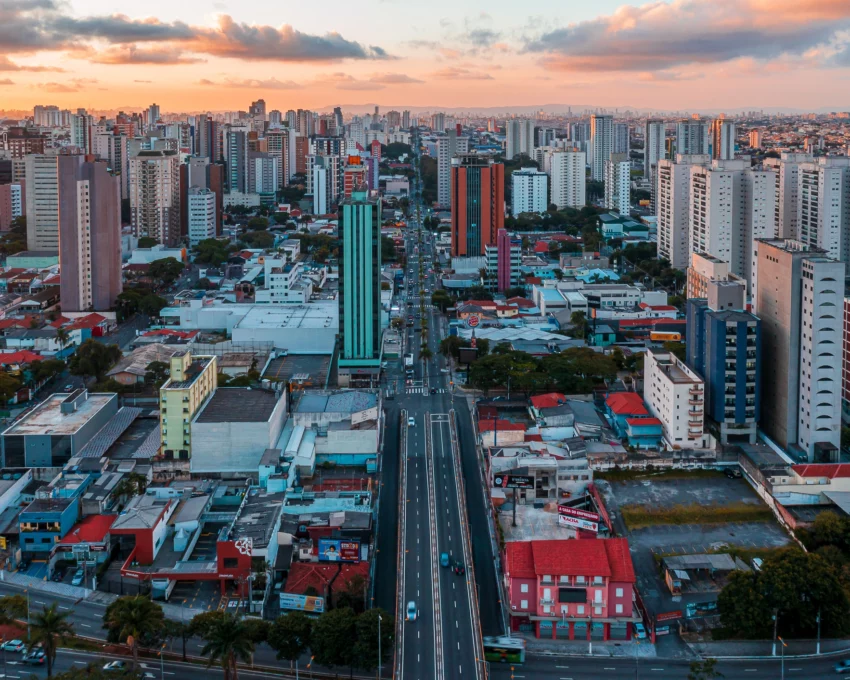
523 588
618 609
580 609
597 596
619 592
597 611
231 562
579 579
523 604
547 578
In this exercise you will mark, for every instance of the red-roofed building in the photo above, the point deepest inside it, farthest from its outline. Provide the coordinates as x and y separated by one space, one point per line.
631 420
822 471
328 579
14 324
549 400
521 303
89 538
571 589
96 323
541 247
500 432
14 361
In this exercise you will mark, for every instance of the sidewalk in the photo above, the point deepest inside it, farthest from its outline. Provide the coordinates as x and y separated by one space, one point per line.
611 648
757 648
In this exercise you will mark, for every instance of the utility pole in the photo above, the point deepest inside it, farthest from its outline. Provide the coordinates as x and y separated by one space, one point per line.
379 646
775 622
817 649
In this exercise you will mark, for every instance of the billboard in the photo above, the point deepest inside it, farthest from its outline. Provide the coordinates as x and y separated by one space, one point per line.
302 603
336 550
577 519
513 481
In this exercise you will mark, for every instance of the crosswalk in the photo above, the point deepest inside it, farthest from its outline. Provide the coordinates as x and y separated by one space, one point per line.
424 390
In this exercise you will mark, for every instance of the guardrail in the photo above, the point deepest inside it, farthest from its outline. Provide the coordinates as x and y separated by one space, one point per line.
435 564
398 654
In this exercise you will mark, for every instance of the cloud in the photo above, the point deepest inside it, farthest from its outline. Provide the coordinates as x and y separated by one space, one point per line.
130 54
343 81
667 76
7 65
142 81
253 84
453 73
6 81
394 79
81 82
28 26
660 35
58 88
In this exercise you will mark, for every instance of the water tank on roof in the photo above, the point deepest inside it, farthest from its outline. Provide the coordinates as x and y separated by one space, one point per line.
7 476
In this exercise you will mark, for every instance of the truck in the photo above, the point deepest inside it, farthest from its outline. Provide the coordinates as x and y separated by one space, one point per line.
408 361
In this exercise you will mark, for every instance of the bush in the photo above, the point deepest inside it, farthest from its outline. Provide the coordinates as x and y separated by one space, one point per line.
637 516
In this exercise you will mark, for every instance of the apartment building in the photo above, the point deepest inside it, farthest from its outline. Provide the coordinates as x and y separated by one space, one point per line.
191 381
519 137
675 394
155 195
618 183
823 207
786 176
673 207
567 172
601 144
201 206
704 269
529 191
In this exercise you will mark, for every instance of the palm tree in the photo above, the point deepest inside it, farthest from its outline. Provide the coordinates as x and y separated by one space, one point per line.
133 619
425 353
50 628
228 642
63 338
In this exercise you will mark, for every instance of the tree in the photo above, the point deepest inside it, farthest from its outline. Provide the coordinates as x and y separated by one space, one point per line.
147 242
228 642
258 223
12 607
93 358
165 271
46 369
441 300
578 321
134 620
202 623
134 484
178 630
705 669
333 635
258 239
366 645
321 254
425 353
9 386
676 348
845 437
51 628
211 251
63 338
156 373
152 305
290 635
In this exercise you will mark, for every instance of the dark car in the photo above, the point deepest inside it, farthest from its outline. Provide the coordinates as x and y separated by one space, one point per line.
59 575
433 390
732 473
459 568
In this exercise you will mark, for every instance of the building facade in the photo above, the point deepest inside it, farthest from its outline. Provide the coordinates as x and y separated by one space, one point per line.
601 144
478 204
201 215
618 183
568 178
155 196
529 191
675 395
191 381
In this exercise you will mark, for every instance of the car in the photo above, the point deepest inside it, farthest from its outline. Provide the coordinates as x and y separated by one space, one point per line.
36 657
733 473
69 388
433 390
459 568
59 575
444 370
411 422
384 364
758 563
13 646
79 575
640 631
411 611
147 675
842 667
115 666
444 559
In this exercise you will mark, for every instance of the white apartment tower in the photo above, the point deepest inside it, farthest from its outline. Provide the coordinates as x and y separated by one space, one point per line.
673 207
601 144
42 199
81 130
823 208
114 150
201 214
449 145
786 175
618 183
654 140
621 138
676 396
568 178
529 191
692 137
519 137
155 195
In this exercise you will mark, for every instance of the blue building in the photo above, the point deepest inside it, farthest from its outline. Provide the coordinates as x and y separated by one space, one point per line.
46 521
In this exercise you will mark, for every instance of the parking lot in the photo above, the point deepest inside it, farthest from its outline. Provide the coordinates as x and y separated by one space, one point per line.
703 490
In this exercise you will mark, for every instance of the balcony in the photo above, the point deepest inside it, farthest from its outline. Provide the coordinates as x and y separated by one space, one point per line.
696 402
695 390
544 602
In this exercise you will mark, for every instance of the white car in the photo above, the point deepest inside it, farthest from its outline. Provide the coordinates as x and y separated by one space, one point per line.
14 646
115 666
411 422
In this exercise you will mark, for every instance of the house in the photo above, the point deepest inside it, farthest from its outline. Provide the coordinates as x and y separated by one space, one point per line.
88 539
45 522
133 367
630 419
551 410
92 325
603 336
14 362
576 589
493 432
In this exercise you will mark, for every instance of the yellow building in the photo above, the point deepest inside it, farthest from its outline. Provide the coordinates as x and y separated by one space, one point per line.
193 379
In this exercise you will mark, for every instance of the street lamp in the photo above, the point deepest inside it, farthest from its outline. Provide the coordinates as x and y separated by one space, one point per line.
782 662
379 646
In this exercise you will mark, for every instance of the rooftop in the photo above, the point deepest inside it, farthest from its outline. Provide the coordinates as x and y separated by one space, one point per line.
47 417
139 359
829 470
238 405
586 557
91 529
627 403
347 401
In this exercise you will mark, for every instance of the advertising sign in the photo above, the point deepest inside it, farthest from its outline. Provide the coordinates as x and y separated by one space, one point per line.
336 550
302 603
513 481
577 519
669 616
473 320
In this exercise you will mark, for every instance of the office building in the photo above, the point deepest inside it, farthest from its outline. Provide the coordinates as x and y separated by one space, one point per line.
786 174
89 222
529 191
155 196
191 380
724 348
722 139
823 207
201 214
755 139
356 174
153 116
673 208
262 175
798 296
580 136
504 262
568 178
618 183
360 290
519 137
675 395
601 145
478 204
692 138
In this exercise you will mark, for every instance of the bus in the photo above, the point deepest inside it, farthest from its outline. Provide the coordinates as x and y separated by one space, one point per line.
660 336
504 649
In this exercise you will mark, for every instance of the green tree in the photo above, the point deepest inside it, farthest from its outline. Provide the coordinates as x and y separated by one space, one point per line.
211 251
677 349
258 223
134 620
93 358
425 353
147 242
290 635
63 338
704 669
204 284
450 346
845 437
441 300
202 623
165 271
9 386
51 628
130 486
179 630
366 643
152 305
258 239
578 321
12 607
333 637
321 254
156 373
227 642
45 369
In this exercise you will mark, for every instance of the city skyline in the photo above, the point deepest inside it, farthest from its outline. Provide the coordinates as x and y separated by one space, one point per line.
766 55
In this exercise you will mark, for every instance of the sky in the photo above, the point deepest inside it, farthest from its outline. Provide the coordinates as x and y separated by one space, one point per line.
193 55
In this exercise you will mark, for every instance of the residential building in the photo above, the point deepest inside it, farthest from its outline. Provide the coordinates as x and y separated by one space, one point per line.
449 145
192 379
621 140
692 137
823 208
201 215
528 191
11 204
845 362
478 210
42 200
89 220
155 195
360 290
673 207
519 137
113 149
675 395
631 420
21 142
755 139
654 137
704 269
323 182
786 174
504 262
601 144
618 183
568 178
722 139
235 147
356 175
798 296
81 131
571 589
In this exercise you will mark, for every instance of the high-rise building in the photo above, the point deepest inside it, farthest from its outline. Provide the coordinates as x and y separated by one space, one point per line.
201 214
722 139
823 207
568 178
621 143
519 137
675 394
114 150
438 122
89 235
257 109
448 146
724 348
504 261
355 176
262 175
360 290
580 135
673 208
323 182
405 119
755 139
393 119
153 116
11 204
42 197
81 130
654 134
275 118
601 144
529 191
236 157
21 142
155 195
798 296
191 380
478 204
786 174
692 137
618 183
50 116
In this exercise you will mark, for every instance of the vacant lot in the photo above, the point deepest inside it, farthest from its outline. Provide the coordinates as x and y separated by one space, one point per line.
637 516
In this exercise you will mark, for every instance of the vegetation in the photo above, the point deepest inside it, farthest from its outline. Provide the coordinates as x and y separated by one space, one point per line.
136 300
165 272
258 223
15 240
50 628
258 239
643 256
211 251
94 359
704 669
677 349
45 369
428 171
388 252
228 642
147 242
291 635
134 620
636 516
